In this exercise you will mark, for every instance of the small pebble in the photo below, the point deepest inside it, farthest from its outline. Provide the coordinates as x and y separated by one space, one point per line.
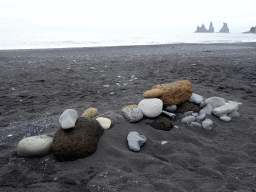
135 141
188 119
225 118
207 124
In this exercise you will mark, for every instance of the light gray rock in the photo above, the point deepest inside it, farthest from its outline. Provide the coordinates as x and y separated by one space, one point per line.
68 119
202 104
201 117
208 109
188 119
187 113
35 146
151 107
172 115
104 122
132 114
196 124
171 108
225 109
225 118
195 98
207 124
135 140
234 114
201 112
216 102
195 114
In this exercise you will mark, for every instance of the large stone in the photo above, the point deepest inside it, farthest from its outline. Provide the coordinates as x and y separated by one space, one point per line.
132 114
187 106
90 112
225 109
104 122
216 102
208 109
35 146
161 123
79 142
172 93
135 141
195 98
68 119
151 107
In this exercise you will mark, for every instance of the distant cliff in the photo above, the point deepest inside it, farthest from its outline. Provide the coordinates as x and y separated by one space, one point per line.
252 30
224 29
202 29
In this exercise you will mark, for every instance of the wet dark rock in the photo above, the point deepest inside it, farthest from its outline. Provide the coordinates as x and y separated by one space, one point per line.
187 106
161 123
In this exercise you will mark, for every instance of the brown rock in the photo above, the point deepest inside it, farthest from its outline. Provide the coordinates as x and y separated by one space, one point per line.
161 123
90 112
172 93
130 106
79 142
187 106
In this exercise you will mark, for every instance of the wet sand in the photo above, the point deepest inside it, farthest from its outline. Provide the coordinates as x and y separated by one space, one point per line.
38 85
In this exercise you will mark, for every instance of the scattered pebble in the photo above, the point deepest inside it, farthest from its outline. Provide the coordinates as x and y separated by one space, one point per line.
171 108
188 119
104 122
135 141
196 124
132 114
195 98
163 142
207 124
225 118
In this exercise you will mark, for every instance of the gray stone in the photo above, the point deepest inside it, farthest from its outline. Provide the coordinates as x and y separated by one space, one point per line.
195 114
225 118
132 114
187 113
208 109
202 104
207 124
234 114
196 124
201 117
172 115
225 109
68 119
135 140
201 112
171 108
195 98
151 107
35 146
216 102
188 119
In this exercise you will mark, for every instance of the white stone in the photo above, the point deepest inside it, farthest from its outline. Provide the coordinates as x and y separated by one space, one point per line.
201 117
135 140
163 142
225 118
35 146
225 109
188 119
201 112
151 107
207 124
216 102
195 114
104 122
195 98
196 124
132 114
171 108
172 115
68 119
208 109
234 114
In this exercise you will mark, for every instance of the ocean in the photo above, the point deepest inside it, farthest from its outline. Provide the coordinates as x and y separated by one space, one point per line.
25 39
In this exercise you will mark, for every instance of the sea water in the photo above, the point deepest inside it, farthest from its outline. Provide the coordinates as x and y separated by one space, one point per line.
26 39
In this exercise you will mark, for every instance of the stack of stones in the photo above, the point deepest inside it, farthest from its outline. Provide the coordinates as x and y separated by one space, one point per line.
77 138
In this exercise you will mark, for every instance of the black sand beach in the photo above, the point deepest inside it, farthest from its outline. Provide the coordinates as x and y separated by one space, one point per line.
38 85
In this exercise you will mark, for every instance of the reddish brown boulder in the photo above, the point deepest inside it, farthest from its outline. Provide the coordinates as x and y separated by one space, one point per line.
172 93
79 142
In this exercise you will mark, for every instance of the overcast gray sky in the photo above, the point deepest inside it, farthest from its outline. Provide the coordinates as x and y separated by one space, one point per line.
178 15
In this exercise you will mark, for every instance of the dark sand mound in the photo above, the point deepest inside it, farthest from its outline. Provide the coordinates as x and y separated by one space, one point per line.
38 85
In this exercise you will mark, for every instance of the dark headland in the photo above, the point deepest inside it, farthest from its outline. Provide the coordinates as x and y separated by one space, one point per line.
38 85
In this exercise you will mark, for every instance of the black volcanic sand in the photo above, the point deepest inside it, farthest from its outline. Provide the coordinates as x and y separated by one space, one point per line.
38 85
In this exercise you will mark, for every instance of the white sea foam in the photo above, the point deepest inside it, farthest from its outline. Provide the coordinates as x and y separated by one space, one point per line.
14 39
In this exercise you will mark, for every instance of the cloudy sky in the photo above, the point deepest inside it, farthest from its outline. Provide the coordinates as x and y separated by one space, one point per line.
123 14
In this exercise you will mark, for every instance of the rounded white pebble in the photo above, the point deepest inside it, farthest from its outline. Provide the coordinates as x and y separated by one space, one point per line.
104 122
